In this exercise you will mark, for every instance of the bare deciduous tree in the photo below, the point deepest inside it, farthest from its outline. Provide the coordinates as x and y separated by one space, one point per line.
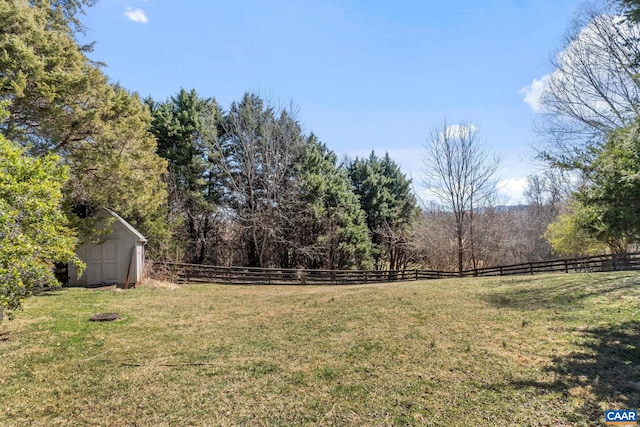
258 148
459 172
595 86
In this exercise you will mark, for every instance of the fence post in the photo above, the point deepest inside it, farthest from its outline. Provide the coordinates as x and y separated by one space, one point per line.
566 266
531 268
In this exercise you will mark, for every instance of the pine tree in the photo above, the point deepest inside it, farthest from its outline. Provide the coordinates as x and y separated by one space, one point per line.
333 230
389 205
185 127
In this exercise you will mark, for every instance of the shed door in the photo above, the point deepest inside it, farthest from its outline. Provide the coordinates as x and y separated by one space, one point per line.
103 267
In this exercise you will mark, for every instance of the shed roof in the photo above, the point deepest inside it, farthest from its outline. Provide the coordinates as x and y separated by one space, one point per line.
126 225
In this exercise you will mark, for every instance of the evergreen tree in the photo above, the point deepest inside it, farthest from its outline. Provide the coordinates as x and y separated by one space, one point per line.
62 103
185 127
609 202
334 234
389 205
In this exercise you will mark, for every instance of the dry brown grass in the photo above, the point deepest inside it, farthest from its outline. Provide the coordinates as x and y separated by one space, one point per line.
148 282
547 350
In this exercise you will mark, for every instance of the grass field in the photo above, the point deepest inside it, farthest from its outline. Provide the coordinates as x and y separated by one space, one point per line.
549 350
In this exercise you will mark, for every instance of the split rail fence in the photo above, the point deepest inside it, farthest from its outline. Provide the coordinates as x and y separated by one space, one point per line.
196 273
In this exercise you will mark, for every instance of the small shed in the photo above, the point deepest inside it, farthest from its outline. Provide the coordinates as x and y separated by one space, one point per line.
118 257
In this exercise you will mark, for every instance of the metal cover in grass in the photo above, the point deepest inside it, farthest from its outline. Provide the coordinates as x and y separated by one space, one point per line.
104 317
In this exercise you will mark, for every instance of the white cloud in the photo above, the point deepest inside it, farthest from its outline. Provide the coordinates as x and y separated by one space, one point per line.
461 131
590 68
512 189
533 92
136 15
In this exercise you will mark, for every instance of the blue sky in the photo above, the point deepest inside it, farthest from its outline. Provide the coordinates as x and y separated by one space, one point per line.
364 74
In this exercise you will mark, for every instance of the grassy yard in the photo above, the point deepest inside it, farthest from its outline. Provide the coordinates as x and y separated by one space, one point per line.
551 350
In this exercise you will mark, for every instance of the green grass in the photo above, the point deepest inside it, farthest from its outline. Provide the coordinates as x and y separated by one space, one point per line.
552 350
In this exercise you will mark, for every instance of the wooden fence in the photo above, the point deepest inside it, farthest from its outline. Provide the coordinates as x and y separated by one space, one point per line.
598 263
195 273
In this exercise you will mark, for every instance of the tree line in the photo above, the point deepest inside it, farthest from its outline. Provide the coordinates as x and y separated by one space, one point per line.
247 187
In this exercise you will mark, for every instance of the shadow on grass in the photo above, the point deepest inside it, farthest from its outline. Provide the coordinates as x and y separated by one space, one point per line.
47 292
605 373
571 290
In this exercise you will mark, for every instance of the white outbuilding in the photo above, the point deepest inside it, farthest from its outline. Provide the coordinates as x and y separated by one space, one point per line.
116 259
